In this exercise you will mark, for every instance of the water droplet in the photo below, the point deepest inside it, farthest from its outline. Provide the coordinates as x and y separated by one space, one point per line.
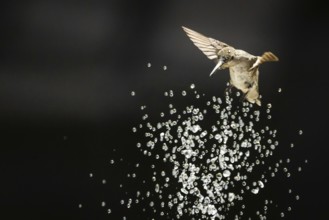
231 197
132 93
192 86
164 67
255 191
226 173
149 65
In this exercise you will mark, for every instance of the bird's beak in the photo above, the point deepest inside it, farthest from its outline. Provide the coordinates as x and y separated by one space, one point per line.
258 102
218 65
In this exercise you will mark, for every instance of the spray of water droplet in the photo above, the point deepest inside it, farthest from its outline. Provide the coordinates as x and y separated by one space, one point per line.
210 152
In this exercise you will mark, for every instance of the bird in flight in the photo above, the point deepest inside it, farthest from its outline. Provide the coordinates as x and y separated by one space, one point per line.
242 65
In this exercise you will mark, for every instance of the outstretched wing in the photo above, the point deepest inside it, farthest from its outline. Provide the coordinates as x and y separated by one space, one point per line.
207 45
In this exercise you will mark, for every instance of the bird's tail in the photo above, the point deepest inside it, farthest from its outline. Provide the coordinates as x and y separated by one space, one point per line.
266 57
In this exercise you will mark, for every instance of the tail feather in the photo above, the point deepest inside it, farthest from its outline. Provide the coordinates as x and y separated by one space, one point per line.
266 57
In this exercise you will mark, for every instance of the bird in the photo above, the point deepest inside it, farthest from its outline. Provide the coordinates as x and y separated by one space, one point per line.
243 67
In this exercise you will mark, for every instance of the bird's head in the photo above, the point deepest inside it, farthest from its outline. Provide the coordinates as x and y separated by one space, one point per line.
226 55
225 58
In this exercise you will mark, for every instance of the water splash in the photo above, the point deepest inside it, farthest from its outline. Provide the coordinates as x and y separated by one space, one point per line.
208 159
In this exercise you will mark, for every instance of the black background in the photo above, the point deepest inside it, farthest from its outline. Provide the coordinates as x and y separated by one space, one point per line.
67 69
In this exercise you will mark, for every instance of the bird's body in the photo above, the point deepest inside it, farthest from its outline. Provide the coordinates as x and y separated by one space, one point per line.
243 66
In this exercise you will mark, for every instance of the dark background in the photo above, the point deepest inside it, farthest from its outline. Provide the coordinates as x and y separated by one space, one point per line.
67 69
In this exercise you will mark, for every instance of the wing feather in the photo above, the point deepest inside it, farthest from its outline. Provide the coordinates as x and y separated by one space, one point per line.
208 46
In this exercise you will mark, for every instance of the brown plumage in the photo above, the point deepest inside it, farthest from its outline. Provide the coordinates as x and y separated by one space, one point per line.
243 66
